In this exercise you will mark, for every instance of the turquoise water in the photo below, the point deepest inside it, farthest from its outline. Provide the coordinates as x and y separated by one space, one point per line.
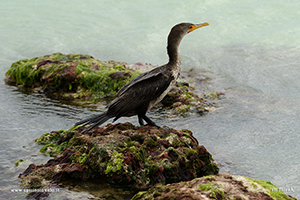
250 52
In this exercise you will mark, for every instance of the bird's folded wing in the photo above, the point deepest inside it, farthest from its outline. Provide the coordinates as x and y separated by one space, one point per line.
143 77
140 93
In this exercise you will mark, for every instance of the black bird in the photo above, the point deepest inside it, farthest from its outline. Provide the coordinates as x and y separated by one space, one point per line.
149 88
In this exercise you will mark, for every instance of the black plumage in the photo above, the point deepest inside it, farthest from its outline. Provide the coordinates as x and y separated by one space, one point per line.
147 89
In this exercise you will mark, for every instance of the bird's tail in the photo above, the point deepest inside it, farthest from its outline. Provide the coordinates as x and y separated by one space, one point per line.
93 121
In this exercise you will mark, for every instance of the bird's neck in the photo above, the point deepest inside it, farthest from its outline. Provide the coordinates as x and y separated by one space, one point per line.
174 40
174 55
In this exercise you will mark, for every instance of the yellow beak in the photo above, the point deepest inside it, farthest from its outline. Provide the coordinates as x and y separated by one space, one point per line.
196 26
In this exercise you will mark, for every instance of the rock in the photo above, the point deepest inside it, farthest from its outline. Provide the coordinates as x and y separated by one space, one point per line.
119 75
69 76
183 101
221 186
122 154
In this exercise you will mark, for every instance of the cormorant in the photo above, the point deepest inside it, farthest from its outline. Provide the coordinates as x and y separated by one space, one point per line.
149 88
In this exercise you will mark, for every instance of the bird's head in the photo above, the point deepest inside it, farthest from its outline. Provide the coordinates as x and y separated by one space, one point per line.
175 36
185 28
180 30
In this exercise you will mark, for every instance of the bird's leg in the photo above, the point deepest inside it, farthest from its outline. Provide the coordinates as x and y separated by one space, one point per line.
141 120
149 121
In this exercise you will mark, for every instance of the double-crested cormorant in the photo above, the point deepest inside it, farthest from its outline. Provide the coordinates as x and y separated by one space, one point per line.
149 88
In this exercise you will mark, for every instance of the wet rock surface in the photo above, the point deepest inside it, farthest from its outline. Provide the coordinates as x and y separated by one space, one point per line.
123 155
221 187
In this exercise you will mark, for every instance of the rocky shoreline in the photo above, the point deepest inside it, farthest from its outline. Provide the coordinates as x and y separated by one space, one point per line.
123 155
150 162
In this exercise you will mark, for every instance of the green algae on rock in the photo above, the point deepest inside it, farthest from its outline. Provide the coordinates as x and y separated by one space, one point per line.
70 76
221 186
182 100
122 154
18 162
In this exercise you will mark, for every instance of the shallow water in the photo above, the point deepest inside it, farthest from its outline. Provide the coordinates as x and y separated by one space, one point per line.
250 52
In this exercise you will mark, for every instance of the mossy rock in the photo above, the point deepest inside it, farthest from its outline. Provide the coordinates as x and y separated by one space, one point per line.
70 76
221 186
122 154
181 100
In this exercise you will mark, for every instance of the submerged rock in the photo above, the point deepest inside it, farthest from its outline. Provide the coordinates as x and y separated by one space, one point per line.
221 186
122 154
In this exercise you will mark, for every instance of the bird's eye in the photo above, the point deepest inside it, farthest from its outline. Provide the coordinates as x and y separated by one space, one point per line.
191 26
